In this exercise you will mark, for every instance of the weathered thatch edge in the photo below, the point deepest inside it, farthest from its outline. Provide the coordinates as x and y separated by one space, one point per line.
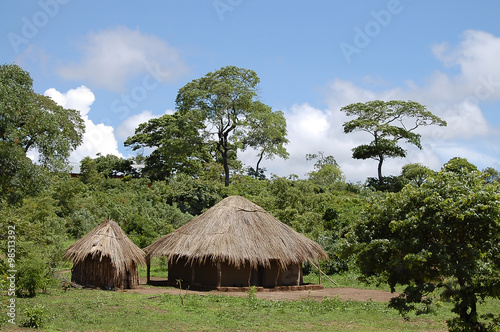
229 231
107 240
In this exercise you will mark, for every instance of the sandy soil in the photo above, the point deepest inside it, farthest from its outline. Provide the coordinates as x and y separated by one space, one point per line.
342 292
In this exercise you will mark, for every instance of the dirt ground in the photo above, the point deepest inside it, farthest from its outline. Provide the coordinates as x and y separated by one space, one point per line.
342 292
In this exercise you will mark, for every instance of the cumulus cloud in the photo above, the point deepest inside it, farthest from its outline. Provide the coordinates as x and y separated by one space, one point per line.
79 99
457 98
98 138
127 128
476 55
113 57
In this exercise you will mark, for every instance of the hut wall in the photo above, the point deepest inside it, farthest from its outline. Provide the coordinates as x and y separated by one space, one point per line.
99 272
179 270
206 275
131 279
269 275
233 277
291 276
273 276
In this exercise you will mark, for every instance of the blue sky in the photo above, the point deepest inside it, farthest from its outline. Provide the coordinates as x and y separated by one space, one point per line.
122 62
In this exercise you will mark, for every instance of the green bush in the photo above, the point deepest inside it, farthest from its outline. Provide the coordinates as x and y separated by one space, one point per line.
33 274
35 316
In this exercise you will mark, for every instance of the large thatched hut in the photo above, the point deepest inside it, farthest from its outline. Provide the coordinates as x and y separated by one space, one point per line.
105 258
235 243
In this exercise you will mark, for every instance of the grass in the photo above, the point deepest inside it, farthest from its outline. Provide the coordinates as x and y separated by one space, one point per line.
96 310
346 279
159 268
91 310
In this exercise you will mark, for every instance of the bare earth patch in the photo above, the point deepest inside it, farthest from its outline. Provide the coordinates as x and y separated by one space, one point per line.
343 293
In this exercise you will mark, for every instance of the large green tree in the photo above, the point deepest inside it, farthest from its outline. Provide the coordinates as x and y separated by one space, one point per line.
227 99
177 141
442 237
388 123
32 122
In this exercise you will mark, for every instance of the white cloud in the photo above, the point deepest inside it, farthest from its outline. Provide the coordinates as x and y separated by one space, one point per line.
457 99
113 57
311 130
477 56
79 99
98 138
127 128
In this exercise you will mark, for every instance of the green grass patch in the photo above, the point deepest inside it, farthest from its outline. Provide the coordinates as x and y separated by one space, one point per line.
97 310
346 279
91 310
159 268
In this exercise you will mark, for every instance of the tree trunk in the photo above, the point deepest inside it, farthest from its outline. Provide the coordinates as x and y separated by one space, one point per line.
467 300
380 178
226 168
223 147
258 163
225 157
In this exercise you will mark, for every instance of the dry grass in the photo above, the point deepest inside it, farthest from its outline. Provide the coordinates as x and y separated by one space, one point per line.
107 249
238 232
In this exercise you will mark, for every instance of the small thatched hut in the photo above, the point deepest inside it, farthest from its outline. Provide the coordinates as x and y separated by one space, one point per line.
105 258
235 243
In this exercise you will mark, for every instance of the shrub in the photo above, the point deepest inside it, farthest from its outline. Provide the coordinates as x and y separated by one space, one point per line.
35 316
33 274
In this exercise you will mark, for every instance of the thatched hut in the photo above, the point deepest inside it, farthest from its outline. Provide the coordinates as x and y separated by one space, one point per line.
235 243
105 258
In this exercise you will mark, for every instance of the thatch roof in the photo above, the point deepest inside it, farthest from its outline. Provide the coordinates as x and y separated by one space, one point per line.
238 232
107 239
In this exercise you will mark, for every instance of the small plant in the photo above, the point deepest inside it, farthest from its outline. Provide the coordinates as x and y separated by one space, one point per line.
252 298
251 292
179 283
35 316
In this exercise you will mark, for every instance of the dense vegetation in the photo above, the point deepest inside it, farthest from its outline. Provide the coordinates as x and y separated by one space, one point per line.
424 230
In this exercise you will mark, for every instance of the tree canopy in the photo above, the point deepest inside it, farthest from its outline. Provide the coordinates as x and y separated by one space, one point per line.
327 172
178 144
388 123
227 100
440 237
109 166
30 122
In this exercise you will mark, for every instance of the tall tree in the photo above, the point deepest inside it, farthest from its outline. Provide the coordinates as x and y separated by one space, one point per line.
440 237
265 131
227 100
388 123
32 122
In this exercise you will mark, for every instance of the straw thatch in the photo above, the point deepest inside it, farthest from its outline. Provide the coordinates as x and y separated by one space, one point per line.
239 233
105 258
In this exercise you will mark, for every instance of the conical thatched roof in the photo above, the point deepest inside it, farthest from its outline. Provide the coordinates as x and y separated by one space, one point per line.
107 239
238 232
